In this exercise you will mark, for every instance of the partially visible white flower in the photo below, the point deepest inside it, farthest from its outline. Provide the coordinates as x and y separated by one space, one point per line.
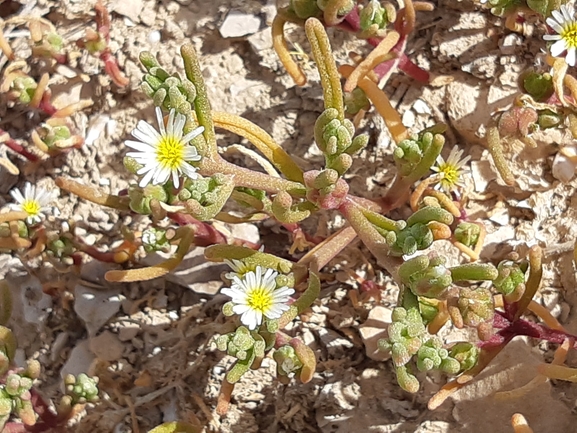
452 170
239 268
256 295
564 24
166 153
483 1
34 202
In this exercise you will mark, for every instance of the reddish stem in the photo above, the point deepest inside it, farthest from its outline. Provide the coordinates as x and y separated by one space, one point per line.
352 23
46 105
17 148
205 234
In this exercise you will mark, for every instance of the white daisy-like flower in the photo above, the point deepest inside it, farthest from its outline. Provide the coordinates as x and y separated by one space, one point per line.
256 295
452 170
239 268
166 153
564 24
35 202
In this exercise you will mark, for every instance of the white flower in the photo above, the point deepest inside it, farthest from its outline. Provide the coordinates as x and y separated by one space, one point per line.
256 295
34 202
239 268
164 153
565 25
451 170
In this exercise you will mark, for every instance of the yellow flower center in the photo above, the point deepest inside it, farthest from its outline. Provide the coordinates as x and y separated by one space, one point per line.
170 152
569 34
450 174
260 299
31 207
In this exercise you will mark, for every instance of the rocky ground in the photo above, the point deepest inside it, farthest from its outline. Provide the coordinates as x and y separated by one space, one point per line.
150 343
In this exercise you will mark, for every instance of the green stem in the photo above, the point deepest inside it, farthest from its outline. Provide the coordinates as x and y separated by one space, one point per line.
250 179
371 237
324 252
402 184
201 102
304 301
533 281
474 272
323 55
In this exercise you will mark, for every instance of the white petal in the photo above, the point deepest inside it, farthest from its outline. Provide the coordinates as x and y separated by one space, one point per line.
189 171
192 134
555 26
551 37
170 123
567 12
558 47
570 59
251 319
17 195
179 126
29 191
144 137
140 146
558 17
175 179
160 120
240 309
146 179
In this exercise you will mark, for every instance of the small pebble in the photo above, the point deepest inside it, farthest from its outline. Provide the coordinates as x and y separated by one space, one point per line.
154 37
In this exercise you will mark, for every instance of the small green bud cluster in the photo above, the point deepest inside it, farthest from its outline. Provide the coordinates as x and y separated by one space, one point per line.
24 88
334 137
408 153
376 16
6 232
405 337
15 396
205 197
82 388
167 91
511 279
243 345
154 239
356 101
325 188
287 361
140 198
474 308
432 355
417 235
61 247
51 135
406 334
467 234
343 11
426 276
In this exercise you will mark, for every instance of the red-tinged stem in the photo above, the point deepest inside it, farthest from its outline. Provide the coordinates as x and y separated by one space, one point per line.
18 149
294 229
353 24
105 257
508 330
102 20
112 70
46 105
205 234
42 409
